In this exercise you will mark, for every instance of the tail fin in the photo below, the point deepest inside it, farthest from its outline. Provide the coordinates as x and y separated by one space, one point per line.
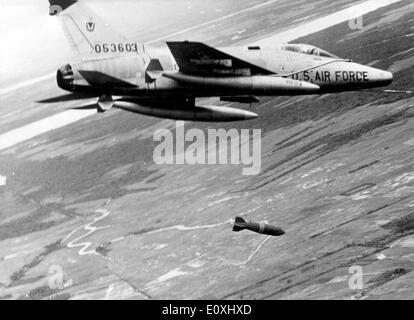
82 27
239 224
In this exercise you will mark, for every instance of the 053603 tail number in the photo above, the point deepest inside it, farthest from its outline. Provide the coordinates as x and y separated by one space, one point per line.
116 47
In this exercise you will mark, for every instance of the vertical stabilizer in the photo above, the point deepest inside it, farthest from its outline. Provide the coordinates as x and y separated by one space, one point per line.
83 28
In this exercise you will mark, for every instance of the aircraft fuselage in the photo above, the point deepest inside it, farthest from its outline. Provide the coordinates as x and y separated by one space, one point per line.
143 74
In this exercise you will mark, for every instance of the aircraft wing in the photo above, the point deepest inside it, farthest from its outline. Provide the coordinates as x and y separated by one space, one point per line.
199 59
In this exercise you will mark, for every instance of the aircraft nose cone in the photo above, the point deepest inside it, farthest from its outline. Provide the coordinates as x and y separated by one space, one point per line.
388 77
381 77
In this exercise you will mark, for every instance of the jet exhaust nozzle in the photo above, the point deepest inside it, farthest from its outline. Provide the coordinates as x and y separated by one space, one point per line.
65 77
262 227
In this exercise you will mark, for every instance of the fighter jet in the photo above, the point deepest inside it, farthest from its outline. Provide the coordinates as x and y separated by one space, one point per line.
165 83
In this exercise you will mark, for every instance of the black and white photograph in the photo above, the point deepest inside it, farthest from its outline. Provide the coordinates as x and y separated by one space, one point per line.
194 150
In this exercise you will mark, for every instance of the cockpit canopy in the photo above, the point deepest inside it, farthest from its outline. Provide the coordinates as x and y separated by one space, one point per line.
308 49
